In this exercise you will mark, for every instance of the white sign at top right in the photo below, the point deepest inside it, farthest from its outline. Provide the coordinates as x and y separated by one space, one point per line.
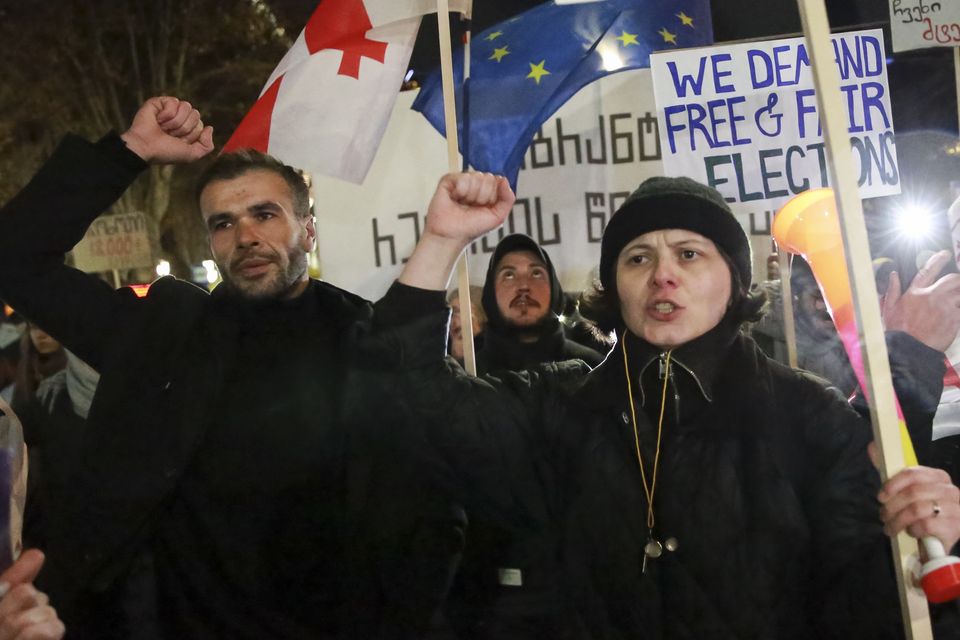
918 24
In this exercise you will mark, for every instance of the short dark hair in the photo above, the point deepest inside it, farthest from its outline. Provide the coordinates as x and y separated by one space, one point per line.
232 165
602 306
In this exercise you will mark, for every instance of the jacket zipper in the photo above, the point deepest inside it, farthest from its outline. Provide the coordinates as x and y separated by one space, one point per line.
661 361
662 373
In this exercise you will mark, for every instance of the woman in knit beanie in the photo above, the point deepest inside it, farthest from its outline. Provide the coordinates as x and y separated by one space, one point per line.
691 487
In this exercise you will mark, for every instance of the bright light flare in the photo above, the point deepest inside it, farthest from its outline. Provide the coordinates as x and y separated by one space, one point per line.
212 273
612 61
914 222
163 268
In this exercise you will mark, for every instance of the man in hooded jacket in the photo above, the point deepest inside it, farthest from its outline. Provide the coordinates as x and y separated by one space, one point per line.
523 300
507 583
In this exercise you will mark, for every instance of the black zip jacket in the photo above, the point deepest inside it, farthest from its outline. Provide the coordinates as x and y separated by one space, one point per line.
764 482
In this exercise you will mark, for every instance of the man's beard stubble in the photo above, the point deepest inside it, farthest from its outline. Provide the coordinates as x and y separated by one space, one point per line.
279 284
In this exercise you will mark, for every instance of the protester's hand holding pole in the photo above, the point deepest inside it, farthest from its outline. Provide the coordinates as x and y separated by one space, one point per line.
166 130
25 613
924 503
464 207
921 501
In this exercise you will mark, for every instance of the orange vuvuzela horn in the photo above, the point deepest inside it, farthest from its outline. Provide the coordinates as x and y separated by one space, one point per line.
808 225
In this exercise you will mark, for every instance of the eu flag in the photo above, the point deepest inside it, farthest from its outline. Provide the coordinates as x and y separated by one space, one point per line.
522 70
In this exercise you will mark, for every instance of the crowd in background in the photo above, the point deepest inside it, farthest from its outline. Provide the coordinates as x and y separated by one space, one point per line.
280 458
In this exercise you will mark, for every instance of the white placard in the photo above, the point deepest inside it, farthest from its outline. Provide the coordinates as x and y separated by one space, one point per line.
584 162
920 24
743 118
118 241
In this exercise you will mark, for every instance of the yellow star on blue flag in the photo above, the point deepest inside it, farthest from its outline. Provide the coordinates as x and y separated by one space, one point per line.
667 36
537 71
499 53
554 51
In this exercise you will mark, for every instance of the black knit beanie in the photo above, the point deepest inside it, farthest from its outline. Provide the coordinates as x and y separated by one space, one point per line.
675 203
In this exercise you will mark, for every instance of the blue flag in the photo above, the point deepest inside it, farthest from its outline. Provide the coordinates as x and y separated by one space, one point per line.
524 69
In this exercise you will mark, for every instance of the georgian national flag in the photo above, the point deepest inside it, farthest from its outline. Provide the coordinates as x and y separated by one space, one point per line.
326 105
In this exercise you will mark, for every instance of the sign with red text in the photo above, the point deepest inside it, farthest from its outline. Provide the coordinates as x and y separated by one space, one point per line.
744 118
920 24
118 241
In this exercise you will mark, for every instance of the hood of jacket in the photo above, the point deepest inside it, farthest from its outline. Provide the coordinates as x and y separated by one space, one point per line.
495 320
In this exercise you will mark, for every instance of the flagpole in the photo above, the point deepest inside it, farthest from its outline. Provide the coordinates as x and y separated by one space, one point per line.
879 383
453 158
463 271
956 76
786 302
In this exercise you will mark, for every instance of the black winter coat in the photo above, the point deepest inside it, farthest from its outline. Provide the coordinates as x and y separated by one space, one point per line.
764 482
161 366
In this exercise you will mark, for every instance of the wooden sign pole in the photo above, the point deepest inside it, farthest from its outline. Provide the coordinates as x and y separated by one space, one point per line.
883 413
453 157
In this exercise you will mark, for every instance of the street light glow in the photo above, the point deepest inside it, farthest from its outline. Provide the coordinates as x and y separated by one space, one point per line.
914 222
212 273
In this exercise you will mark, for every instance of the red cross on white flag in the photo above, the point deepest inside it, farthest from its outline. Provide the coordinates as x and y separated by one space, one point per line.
327 104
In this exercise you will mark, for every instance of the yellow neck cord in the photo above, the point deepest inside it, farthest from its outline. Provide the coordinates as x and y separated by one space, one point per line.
648 488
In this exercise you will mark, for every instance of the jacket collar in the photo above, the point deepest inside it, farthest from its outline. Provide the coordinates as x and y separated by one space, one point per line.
700 358
338 307
505 350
